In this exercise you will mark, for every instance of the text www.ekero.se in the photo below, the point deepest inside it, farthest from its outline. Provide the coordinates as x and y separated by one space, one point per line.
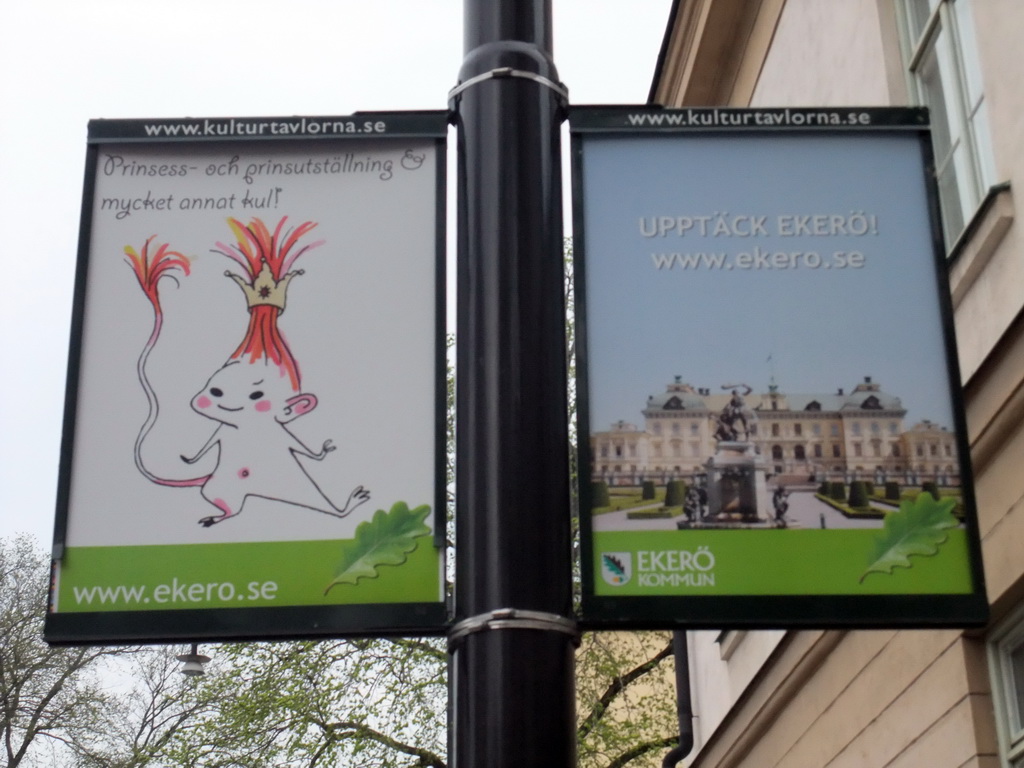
177 592
757 258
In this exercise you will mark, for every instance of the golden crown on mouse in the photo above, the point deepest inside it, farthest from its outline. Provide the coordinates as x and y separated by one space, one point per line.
265 290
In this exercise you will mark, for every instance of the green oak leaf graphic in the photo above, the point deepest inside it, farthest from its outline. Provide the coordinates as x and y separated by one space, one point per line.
387 539
918 528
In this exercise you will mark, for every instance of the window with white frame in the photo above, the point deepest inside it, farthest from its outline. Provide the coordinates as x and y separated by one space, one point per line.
944 74
1006 665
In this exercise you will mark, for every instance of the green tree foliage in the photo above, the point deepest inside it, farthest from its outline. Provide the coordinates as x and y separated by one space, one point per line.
149 707
569 293
48 695
98 707
837 491
626 701
648 490
450 419
378 702
675 493
858 494
382 703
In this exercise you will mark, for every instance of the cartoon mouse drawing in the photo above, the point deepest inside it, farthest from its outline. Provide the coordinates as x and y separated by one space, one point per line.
257 392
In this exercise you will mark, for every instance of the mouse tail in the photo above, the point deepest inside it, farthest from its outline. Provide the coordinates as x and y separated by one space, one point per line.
150 266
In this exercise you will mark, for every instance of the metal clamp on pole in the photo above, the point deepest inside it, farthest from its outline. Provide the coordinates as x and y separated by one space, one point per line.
499 72
512 618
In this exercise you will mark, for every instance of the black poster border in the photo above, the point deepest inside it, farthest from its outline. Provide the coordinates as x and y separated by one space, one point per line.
906 611
286 622
231 624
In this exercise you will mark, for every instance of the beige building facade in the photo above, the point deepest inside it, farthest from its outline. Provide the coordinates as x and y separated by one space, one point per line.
905 699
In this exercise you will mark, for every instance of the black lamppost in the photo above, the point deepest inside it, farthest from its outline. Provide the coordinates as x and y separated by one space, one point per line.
512 646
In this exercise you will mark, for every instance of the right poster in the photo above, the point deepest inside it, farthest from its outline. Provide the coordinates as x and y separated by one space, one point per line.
771 432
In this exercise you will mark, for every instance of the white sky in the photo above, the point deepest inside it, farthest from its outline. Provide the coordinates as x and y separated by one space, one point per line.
63 62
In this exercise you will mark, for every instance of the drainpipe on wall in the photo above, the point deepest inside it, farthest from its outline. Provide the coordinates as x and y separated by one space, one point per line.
683 704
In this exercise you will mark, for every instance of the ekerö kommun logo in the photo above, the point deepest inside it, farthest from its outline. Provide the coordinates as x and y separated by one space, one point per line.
617 568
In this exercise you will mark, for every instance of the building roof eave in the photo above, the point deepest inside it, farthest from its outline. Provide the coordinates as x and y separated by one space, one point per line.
666 39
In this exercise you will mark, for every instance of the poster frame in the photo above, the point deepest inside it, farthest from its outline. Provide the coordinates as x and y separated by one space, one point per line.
263 623
760 611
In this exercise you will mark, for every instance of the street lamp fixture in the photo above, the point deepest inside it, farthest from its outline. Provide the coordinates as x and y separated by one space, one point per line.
193 662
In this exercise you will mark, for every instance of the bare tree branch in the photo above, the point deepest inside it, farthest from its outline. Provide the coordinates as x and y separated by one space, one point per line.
642 749
425 757
617 685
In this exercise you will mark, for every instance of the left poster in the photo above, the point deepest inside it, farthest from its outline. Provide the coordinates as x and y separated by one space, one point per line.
254 424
